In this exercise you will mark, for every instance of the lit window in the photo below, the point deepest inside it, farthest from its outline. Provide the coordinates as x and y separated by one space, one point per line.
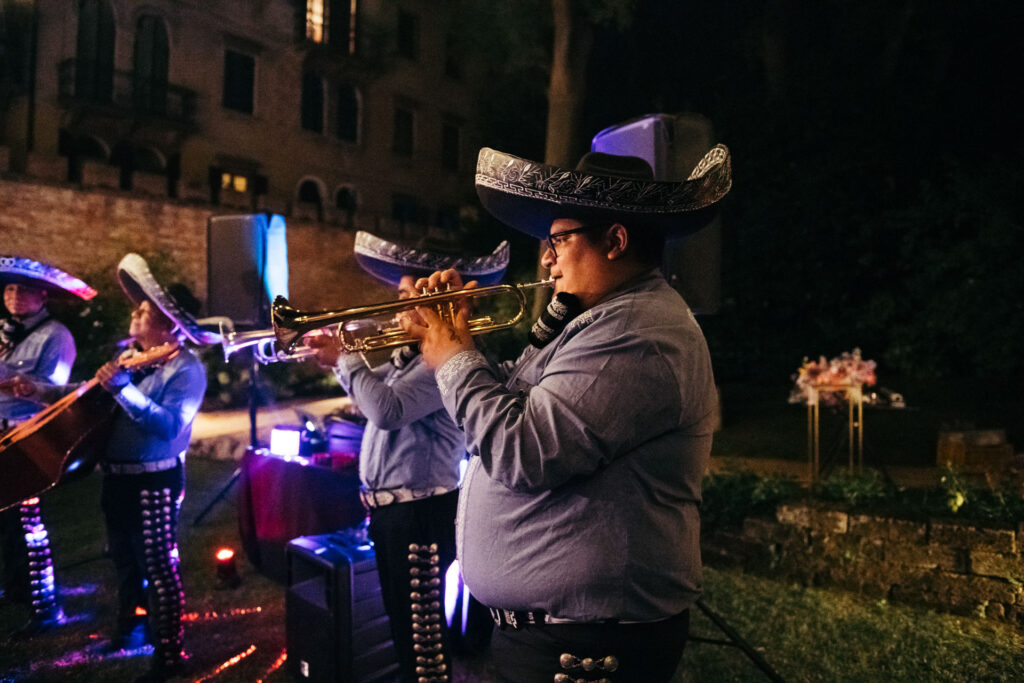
315 24
231 181
353 25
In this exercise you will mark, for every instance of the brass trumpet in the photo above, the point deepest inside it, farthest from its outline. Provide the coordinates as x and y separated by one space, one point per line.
359 333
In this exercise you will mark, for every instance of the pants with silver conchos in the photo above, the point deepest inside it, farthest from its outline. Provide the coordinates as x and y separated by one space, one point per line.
28 563
606 652
415 545
141 512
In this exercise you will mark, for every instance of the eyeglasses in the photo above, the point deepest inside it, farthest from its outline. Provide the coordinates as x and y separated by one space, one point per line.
559 237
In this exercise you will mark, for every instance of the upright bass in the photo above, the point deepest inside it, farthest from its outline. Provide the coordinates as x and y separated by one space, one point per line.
62 440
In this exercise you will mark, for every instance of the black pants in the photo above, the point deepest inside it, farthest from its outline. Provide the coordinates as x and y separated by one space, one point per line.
28 563
141 513
641 652
14 555
415 545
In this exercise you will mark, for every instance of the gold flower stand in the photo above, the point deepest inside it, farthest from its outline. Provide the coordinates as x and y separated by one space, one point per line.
854 397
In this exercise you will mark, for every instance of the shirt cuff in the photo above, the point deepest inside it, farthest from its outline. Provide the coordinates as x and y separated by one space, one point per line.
132 400
450 375
346 366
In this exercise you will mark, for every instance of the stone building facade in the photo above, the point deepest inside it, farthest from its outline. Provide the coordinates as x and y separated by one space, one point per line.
125 125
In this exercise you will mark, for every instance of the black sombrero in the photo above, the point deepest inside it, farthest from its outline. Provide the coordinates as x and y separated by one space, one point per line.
37 274
528 196
176 302
388 261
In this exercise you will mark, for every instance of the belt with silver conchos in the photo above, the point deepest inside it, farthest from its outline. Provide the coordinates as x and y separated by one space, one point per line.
378 498
141 467
518 619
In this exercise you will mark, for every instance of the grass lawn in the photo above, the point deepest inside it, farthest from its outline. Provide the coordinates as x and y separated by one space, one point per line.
806 634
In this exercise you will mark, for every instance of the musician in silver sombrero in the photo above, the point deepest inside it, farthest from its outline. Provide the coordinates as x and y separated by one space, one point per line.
143 464
409 462
39 348
578 521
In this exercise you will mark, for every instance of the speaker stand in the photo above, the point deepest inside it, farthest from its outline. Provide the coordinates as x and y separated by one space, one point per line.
253 406
735 640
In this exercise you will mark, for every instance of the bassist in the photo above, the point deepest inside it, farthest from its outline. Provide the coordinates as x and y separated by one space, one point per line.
35 346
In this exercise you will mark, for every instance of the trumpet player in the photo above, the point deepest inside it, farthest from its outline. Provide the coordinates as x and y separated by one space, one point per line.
578 523
409 470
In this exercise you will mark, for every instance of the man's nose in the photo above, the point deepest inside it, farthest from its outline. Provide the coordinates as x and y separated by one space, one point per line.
547 259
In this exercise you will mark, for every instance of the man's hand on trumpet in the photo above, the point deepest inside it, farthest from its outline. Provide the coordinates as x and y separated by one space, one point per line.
439 339
327 348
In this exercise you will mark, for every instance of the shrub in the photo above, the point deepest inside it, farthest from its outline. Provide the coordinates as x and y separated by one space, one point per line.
730 497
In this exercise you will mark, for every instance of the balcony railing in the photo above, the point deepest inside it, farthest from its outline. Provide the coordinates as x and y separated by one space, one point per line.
125 91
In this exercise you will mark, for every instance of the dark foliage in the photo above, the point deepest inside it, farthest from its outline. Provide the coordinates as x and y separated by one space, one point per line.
876 153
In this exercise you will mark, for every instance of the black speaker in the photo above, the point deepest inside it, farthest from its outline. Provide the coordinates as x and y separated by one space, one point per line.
673 145
336 629
247 266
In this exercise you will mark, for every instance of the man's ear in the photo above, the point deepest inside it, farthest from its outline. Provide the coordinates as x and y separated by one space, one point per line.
618 241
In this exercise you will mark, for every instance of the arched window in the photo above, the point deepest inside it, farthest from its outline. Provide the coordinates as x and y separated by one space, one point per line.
309 192
345 199
94 71
348 113
312 102
310 197
149 66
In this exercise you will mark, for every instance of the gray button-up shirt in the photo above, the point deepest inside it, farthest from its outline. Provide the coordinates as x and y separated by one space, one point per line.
591 451
409 442
156 417
45 355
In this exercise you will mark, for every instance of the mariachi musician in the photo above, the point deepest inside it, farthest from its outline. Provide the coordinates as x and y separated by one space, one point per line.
33 345
143 463
578 522
408 462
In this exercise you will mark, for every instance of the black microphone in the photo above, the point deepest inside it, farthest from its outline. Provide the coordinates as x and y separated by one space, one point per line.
560 311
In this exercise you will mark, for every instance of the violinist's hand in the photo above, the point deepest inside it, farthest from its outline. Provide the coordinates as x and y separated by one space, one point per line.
18 386
326 348
440 340
112 378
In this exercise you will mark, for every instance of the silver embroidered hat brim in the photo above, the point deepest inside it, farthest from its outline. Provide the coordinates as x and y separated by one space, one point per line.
389 261
139 285
528 196
21 269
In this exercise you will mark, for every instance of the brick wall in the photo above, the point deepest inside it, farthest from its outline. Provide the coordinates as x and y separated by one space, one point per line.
88 231
950 567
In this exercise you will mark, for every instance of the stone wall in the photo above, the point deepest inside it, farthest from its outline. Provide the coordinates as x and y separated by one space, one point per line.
939 565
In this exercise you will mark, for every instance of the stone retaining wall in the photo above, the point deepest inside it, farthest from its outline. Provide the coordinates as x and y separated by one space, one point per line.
945 566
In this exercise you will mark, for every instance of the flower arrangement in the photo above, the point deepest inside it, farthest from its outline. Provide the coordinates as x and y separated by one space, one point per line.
846 370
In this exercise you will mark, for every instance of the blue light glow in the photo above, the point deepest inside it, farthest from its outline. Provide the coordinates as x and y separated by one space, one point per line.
277 258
